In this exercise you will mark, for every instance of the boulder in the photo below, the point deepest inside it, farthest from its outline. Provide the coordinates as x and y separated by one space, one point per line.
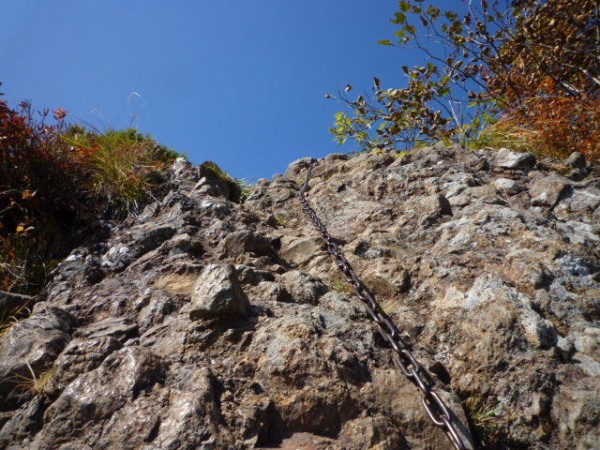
247 241
548 190
507 159
218 293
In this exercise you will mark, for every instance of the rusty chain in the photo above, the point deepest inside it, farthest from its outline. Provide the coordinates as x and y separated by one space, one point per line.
435 407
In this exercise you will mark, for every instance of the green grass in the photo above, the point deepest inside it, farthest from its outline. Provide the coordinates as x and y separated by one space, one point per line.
339 284
283 219
23 266
516 138
486 420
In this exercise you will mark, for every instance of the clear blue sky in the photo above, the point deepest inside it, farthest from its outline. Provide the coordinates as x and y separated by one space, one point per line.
239 82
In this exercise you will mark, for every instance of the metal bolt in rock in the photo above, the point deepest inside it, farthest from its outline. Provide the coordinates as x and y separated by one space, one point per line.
436 409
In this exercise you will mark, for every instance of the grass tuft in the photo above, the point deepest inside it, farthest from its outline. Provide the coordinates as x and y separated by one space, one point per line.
11 317
486 420
36 383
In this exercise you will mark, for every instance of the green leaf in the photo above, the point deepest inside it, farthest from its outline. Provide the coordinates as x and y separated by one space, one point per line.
404 6
400 18
451 15
385 42
433 12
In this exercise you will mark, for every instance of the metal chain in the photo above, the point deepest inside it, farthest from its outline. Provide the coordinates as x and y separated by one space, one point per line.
435 407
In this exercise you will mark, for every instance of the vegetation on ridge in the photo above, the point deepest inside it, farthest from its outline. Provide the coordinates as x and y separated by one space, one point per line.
517 73
56 178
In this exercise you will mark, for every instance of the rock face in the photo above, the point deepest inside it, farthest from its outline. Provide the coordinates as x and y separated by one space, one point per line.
205 324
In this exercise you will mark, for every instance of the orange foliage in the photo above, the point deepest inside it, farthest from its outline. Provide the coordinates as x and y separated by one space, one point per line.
545 77
39 190
560 121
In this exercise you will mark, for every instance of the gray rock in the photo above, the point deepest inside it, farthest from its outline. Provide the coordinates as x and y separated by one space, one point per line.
301 250
387 284
180 167
151 238
585 200
576 160
434 207
438 204
118 257
97 395
303 287
18 429
252 275
297 166
212 187
181 244
189 417
337 157
460 200
505 185
119 328
247 242
271 292
218 293
548 190
513 160
370 250
82 355
578 174
486 194
32 345
577 407
217 182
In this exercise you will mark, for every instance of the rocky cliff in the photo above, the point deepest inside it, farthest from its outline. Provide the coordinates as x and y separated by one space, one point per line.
202 323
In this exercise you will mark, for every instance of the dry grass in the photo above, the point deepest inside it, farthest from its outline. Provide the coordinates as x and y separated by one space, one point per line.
36 384
10 318
554 128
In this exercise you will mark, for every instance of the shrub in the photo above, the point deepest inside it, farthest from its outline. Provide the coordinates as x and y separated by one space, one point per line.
526 68
55 177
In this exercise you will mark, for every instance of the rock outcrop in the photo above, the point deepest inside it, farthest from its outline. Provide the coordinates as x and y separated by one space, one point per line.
202 323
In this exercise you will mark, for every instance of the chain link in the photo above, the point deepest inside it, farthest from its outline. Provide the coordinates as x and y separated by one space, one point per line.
435 407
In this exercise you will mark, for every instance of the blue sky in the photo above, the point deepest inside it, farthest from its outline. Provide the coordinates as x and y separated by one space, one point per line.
239 82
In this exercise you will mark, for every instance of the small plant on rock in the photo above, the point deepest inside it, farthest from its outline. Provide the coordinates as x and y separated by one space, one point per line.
485 420
36 383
